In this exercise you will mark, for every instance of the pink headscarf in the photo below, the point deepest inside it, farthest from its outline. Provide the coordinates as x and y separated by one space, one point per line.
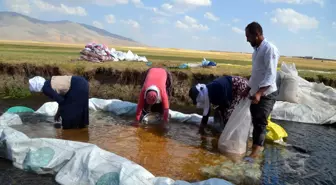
151 97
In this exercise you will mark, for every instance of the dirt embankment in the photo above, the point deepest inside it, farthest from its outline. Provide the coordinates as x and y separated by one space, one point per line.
108 82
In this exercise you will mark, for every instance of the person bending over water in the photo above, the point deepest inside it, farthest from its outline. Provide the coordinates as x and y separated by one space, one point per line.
155 94
72 95
224 92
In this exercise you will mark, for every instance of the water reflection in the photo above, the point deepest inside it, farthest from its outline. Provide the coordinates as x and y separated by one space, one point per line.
75 135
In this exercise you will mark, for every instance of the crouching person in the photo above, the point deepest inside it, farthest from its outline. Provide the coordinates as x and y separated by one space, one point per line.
225 93
72 95
155 94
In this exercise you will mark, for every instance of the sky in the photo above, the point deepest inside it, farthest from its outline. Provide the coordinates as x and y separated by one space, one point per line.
296 27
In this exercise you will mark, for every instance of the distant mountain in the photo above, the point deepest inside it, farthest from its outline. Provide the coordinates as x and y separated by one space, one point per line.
15 26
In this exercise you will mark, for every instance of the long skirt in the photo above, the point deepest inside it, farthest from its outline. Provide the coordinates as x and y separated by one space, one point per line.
222 115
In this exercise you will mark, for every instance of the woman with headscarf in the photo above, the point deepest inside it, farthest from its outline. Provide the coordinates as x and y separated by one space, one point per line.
155 93
224 92
72 95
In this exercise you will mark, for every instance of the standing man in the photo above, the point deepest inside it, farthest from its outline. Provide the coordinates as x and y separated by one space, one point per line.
262 83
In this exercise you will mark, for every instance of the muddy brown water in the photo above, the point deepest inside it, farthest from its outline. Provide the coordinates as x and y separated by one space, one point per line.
181 152
178 154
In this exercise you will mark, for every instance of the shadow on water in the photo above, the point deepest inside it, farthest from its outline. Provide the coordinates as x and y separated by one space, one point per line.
181 152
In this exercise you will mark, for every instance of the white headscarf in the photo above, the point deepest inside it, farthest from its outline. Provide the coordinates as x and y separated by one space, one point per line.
203 98
36 84
157 90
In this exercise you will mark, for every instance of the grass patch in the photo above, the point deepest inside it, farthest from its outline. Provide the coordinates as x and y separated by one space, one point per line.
13 92
13 87
228 63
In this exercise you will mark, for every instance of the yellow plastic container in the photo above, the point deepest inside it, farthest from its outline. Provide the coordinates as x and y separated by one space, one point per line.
274 131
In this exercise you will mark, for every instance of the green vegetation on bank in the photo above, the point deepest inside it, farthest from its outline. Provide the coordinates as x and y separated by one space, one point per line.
13 87
228 63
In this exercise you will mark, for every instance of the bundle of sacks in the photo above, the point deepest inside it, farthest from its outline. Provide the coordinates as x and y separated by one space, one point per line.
96 53
100 53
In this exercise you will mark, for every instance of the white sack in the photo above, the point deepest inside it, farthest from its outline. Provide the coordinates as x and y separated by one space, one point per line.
289 88
233 139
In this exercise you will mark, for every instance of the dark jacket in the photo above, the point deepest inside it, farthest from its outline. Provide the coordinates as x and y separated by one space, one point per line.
220 94
74 106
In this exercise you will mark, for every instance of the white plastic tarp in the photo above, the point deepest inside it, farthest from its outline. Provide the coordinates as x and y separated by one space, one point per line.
77 163
121 108
129 56
316 102
317 105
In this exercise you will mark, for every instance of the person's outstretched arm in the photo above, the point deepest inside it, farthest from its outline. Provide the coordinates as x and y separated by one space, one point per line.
204 122
48 91
165 105
140 105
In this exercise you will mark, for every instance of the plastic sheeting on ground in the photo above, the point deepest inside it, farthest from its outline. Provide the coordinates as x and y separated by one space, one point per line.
76 163
121 108
316 102
204 63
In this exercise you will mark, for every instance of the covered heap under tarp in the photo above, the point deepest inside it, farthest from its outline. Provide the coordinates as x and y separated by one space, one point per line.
303 101
100 53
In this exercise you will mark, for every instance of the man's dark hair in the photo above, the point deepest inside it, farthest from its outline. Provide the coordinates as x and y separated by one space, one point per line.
254 27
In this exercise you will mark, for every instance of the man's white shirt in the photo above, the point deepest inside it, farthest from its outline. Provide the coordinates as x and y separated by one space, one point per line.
264 68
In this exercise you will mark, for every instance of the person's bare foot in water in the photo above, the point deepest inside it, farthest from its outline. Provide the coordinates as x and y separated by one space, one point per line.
254 154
